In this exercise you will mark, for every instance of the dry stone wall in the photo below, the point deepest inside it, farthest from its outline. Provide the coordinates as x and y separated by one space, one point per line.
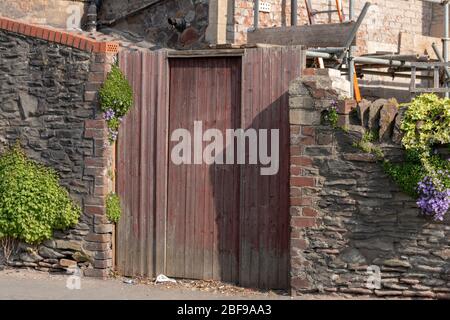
348 218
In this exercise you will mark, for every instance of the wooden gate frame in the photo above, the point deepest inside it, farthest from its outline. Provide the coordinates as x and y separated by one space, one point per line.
136 262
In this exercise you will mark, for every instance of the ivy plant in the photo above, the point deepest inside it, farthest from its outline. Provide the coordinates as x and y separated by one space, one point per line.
116 99
113 209
32 202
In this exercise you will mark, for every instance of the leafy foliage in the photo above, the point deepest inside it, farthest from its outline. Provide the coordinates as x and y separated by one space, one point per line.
426 125
113 209
116 99
366 144
407 175
331 116
32 203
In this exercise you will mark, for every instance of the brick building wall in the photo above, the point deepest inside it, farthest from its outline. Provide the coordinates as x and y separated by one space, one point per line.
48 101
380 30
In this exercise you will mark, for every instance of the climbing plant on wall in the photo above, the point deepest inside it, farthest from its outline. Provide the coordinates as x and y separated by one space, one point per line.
116 99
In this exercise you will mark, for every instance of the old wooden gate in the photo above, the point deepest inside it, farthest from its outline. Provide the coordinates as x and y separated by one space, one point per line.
199 220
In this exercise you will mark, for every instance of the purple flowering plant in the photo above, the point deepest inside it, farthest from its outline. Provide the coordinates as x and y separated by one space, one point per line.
432 201
331 115
426 127
116 99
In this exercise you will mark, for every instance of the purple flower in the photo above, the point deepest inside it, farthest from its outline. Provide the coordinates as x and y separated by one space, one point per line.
433 202
109 114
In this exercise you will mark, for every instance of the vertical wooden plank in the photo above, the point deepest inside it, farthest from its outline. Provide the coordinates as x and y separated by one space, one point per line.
129 177
142 169
248 62
201 176
136 151
275 203
190 116
255 221
162 159
237 110
210 208
261 192
147 177
120 259
175 83
226 171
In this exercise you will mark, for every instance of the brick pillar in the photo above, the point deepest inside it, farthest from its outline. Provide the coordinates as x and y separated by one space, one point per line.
98 166
309 96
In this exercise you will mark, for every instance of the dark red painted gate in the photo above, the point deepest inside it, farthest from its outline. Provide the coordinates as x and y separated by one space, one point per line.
225 222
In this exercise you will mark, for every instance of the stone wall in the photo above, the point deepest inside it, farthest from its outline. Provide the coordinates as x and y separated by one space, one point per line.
151 24
48 102
346 213
44 12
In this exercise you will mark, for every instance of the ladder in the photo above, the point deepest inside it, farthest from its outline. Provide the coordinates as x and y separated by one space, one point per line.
311 17
312 13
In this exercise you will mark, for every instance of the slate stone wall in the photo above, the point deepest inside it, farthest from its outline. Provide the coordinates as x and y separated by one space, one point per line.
48 102
348 219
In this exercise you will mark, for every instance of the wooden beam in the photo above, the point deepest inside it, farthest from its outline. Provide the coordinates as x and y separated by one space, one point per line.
318 35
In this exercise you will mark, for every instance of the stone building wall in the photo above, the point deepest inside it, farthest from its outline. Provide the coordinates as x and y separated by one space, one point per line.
151 24
48 87
54 13
346 213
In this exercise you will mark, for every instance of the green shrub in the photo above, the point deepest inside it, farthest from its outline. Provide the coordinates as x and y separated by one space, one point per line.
116 99
113 210
32 203
406 175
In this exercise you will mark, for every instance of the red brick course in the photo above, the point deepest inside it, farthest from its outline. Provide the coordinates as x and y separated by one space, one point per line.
58 36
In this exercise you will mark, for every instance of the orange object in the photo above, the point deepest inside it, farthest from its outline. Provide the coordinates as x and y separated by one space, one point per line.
339 10
356 89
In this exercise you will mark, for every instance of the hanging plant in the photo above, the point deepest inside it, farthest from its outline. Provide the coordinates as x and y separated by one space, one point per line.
116 99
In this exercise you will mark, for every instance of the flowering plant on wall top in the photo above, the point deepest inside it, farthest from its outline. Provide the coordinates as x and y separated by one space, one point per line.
427 126
116 99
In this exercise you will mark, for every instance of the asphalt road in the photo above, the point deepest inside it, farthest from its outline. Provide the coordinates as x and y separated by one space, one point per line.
30 285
